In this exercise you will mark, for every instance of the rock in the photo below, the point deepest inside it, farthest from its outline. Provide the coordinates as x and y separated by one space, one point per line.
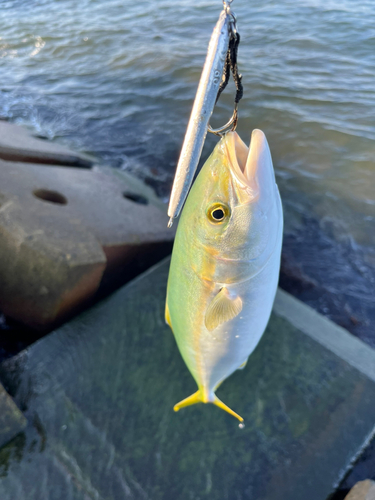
65 232
101 390
364 490
12 422
16 144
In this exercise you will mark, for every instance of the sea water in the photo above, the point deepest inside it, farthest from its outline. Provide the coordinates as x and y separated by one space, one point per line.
117 78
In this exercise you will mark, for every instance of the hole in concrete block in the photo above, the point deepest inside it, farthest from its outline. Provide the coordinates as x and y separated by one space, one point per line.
50 196
40 136
137 198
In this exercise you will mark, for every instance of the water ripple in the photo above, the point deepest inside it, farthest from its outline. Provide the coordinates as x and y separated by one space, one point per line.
118 78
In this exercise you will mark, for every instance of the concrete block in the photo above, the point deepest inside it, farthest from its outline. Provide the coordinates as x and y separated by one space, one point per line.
12 422
103 386
64 232
48 264
364 490
136 187
17 144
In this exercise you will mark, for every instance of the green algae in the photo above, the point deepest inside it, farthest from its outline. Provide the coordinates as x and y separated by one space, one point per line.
103 388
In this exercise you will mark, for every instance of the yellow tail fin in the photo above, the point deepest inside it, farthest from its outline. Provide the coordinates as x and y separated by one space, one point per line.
226 408
197 397
191 400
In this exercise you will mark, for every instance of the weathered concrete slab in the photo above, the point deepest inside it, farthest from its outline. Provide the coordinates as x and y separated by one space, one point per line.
96 196
12 422
17 144
136 186
100 391
364 490
65 232
364 468
49 264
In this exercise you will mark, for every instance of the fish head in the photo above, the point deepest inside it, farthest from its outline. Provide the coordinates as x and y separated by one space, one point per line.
234 210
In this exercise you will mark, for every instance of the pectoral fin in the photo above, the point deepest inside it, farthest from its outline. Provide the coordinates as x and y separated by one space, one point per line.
222 308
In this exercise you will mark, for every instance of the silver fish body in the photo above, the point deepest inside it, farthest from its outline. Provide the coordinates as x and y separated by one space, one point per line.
225 263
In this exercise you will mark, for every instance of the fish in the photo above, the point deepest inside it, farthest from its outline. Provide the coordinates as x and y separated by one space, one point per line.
225 264
203 107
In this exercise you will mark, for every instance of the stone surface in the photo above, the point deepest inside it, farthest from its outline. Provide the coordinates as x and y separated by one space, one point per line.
17 144
364 468
364 490
137 186
49 264
99 392
12 422
66 233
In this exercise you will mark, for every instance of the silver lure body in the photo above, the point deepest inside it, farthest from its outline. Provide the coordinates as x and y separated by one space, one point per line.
201 113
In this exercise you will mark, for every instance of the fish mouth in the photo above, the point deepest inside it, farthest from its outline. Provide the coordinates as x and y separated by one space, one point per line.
251 167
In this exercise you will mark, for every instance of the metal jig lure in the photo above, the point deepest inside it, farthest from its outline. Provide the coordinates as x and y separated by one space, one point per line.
221 59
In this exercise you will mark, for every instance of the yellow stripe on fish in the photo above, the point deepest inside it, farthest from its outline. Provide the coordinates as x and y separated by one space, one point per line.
225 264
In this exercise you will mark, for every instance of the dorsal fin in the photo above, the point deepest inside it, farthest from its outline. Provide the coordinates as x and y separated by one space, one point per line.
221 309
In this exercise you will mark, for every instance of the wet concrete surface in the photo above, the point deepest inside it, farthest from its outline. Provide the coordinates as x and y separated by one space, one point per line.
17 144
12 421
364 468
351 310
98 394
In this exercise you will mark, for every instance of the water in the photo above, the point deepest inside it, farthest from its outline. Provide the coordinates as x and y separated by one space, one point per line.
118 78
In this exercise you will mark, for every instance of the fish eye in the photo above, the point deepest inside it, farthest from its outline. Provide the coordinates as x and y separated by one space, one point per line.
217 213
